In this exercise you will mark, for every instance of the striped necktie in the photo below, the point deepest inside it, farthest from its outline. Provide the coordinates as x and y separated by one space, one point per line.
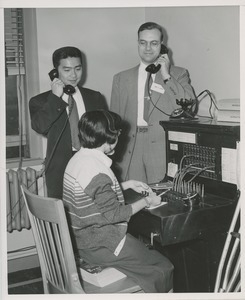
73 119
148 84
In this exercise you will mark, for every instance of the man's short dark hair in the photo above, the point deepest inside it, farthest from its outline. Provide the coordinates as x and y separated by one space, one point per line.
65 52
98 127
150 26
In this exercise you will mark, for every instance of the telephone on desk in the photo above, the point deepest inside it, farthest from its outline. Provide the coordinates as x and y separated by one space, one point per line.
68 89
188 109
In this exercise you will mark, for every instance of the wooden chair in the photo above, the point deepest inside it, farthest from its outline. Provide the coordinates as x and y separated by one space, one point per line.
55 252
229 271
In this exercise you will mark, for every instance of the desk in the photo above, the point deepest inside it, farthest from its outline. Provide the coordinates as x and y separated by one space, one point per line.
174 224
187 236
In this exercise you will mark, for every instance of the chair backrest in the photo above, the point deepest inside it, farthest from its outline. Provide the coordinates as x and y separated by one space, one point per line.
53 242
229 270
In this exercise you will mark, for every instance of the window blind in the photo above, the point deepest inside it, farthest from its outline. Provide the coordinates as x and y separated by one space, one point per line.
14 41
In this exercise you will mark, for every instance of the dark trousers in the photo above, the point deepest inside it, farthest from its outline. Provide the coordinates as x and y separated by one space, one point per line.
148 268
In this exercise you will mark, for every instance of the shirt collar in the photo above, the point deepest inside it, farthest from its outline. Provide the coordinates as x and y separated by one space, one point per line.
142 66
98 155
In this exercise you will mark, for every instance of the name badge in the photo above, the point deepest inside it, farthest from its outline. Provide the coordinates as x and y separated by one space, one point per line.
157 88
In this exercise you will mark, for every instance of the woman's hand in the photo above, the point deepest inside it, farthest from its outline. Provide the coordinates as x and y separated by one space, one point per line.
138 186
149 201
153 199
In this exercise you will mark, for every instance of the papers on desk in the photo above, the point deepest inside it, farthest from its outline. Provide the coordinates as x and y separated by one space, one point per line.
153 207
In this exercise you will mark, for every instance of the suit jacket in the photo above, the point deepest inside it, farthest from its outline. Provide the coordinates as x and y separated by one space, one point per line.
49 118
124 101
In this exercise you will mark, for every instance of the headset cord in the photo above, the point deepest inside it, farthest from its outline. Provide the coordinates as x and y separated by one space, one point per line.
149 93
46 165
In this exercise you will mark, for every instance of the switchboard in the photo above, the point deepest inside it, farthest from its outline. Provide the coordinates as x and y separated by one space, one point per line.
202 157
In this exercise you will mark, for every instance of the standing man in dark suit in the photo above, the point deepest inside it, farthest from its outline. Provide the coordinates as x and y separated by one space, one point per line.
51 114
142 145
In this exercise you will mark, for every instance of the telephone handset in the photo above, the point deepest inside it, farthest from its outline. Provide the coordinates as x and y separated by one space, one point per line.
153 68
68 89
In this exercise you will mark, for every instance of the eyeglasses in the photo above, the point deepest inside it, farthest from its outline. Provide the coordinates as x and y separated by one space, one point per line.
153 44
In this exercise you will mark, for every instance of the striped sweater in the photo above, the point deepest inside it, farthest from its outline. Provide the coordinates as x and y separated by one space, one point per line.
94 201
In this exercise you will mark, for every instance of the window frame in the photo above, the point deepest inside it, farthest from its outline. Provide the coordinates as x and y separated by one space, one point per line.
16 140
37 144
15 66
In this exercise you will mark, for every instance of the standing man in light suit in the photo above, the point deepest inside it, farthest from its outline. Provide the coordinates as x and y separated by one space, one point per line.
142 153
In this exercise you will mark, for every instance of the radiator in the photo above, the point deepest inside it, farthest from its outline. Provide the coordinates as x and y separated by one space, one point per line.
17 217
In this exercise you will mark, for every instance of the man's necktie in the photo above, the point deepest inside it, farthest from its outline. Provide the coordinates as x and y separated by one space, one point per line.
147 96
73 119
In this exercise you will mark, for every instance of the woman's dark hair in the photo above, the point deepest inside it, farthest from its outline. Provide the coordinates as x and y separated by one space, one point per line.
65 52
98 127
150 26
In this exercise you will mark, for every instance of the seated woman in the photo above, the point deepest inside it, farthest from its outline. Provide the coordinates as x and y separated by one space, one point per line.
97 213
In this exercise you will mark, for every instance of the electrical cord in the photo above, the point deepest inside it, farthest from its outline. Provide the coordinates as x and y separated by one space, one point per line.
185 171
191 112
149 93
211 103
20 103
199 172
180 174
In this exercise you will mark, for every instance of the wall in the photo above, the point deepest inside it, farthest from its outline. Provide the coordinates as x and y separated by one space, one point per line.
205 40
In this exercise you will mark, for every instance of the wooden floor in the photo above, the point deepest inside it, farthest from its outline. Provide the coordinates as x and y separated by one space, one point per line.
25 282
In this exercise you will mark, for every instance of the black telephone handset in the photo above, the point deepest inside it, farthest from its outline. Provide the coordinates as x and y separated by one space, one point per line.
153 68
68 89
